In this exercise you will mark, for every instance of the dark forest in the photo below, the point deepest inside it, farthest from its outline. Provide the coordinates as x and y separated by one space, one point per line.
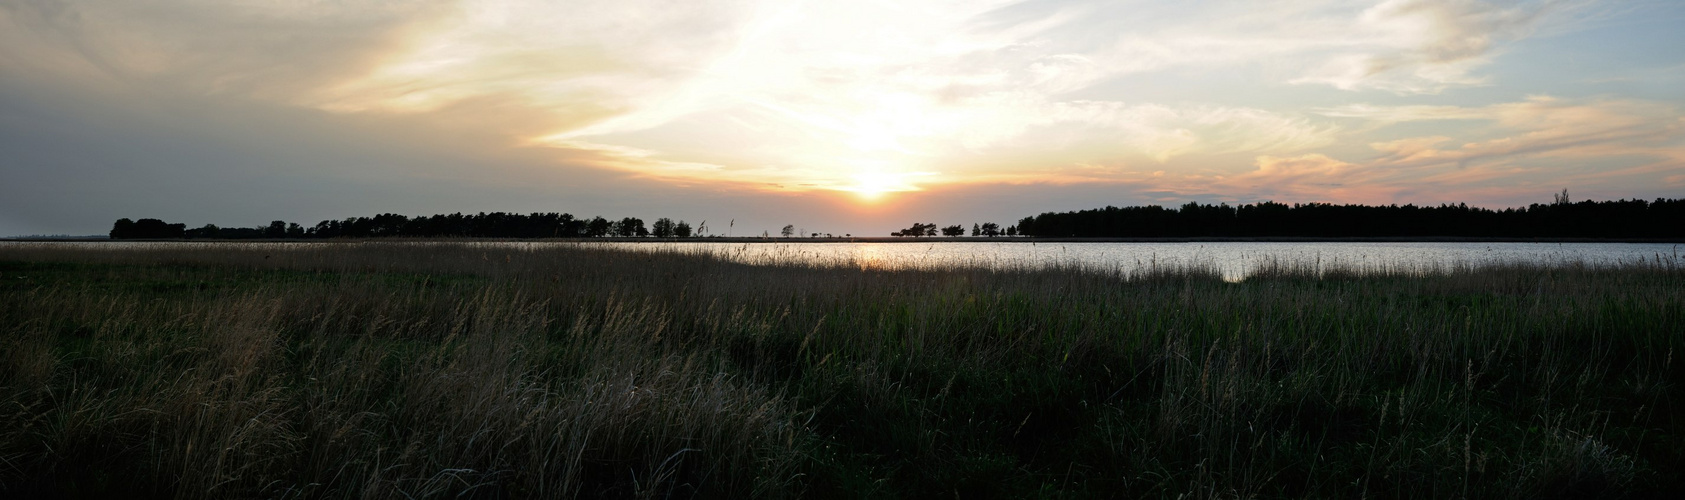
1663 218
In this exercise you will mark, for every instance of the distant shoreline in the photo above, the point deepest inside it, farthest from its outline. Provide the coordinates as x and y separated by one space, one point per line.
893 239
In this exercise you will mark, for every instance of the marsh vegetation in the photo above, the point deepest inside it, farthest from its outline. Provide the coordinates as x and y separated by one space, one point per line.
391 370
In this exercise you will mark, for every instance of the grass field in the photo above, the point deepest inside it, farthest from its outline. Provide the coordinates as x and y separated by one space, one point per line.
444 370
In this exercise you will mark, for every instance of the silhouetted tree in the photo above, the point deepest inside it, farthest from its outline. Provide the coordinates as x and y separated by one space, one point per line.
681 230
954 230
918 229
122 229
569 227
1026 226
662 228
276 229
598 227
789 230
630 227
146 229
208 231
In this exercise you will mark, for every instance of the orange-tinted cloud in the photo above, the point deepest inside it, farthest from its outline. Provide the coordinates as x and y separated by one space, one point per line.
1072 101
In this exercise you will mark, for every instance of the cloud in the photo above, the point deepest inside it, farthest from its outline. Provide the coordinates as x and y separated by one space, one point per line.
1102 129
808 94
770 98
1537 126
1400 114
989 138
1604 145
565 65
1298 167
1401 46
1308 177
245 48
1424 46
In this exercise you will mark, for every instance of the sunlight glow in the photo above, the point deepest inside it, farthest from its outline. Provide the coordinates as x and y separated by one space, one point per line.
874 98
872 185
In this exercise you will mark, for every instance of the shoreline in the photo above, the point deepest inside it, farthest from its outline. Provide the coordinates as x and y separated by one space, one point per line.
894 239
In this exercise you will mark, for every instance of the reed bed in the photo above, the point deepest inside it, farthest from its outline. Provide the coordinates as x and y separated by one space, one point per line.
428 370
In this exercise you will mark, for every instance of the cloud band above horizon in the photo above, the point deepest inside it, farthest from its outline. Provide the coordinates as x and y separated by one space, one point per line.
1313 100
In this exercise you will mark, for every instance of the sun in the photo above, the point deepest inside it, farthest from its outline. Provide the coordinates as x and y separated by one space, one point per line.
873 185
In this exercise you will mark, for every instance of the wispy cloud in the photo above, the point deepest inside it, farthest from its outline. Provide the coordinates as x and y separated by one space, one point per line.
1537 126
916 78
1360 100
1424 46
248 48
1596 143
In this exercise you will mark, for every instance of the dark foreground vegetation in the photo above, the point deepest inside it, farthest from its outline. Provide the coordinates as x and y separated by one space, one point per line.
445 370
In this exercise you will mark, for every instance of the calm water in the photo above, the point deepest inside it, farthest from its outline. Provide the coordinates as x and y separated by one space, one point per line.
1234 259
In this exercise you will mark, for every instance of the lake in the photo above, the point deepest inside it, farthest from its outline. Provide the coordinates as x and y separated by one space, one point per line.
1234 259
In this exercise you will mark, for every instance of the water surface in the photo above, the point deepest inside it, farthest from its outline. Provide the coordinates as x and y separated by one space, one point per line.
1234 259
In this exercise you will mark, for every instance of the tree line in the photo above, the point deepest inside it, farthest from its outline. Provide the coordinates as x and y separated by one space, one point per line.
1562 218
481 225
986 229
1662 218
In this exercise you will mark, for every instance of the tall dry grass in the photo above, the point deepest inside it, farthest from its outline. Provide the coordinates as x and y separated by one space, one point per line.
214 382
431 370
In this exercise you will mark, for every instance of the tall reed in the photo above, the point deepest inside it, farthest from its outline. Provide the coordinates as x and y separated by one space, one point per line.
430 369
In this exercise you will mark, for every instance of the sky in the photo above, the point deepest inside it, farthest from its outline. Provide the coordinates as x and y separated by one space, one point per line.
858 117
